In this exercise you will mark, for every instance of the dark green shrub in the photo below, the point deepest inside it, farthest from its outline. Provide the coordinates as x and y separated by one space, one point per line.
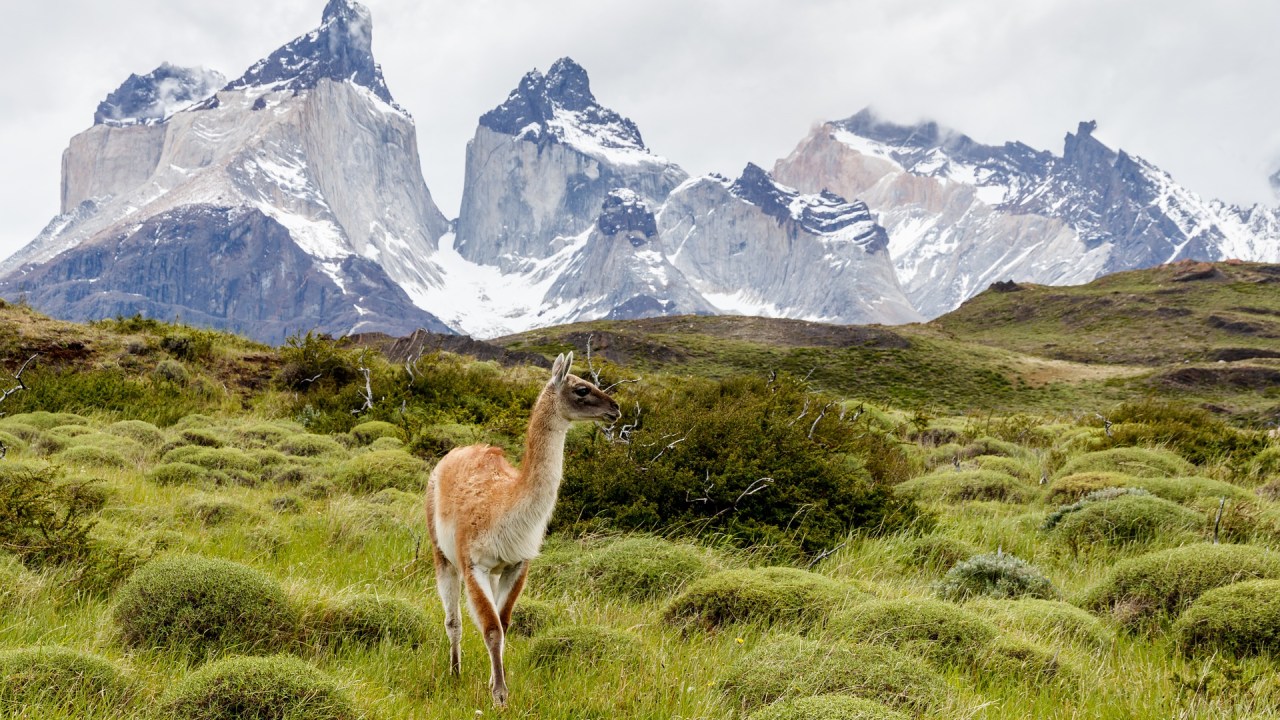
1125 519
827 707
729 457
960 486
55 677
1052 620
173 371
582 645
189 344
198 605
43 520
641 568
138 431
937 630
378 469
1028 663
278 687
998 575
309 445
367 620
1140 462
178 473
789 667
1240 619
531 616
773 595
1144 590
1193 432
938 552
315 362
366 432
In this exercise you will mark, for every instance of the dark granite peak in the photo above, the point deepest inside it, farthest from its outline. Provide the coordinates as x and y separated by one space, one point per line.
624 211
152 97
820 214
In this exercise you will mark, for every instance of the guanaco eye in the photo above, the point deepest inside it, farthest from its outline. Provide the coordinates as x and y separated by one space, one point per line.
582 391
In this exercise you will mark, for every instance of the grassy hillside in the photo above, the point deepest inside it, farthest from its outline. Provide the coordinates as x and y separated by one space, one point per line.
791 521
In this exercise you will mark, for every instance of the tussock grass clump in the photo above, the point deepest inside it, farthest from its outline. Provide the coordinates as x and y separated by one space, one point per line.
1007 465
938 552
1141 591
998 575
1182 490
1028 663
17 584
197 605
25 432
937 630
576 644
641 568
1125 520
827 707
50 677
387 443
367 432
1265 466
278 687
772 595
374 471
211 510
309 445
14 443
960 486
1052 620
1239 619
137 430
1137 461
269 433
44 420
234 462
531 616
366 620
179 473
89 457
201 437
1097 496
1068 489
791 667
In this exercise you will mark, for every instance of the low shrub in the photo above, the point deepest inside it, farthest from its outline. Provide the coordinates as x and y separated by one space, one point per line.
1137 461
290 474
366 620
999 575
12 444
269 433
1125 520
279 686
201 437
640 568
1068 489
366 432
138 431
43 520
827 707
790 667
531 616
960 486
1239 619
772 595
309 445
44 420
1007 465
937 630
170 370
1194 432
50 677
196 605
581 644
1141 591
1029 664
211 510
1264 467
387 443
179 473
938 552
1097 496
373 471
87 457
1052 620
236 464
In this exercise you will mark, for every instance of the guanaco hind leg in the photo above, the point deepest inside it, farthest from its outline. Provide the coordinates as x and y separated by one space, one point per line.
481 602
449 585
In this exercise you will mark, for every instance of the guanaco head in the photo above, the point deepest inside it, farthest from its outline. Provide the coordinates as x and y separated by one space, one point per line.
578 399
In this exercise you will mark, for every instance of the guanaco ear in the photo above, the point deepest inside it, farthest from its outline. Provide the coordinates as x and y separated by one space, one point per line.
560 369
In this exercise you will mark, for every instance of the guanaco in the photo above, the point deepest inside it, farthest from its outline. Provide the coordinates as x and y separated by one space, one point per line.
488 519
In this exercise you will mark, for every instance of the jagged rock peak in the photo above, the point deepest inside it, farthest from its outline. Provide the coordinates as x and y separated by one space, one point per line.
823 213
340 49
1082 148
151 98
625 211
925 135
559 106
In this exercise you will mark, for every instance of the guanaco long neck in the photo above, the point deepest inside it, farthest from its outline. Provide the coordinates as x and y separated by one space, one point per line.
543 465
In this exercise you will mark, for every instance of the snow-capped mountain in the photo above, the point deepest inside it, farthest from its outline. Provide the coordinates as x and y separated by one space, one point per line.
307 146
961 215
541 164
157 95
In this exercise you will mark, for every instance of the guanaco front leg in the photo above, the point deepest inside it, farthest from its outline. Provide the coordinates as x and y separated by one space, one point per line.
484 610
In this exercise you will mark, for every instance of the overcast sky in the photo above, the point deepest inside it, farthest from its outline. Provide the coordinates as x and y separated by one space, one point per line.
712 84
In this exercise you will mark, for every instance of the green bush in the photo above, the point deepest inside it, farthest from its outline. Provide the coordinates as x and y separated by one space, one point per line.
1014 658
201 437
269 433
43 520
729 458
197 605
45 420
1007 465
1177 489
1125 519
189 344
366 432
138 431
278 687
367 620
789 667
213 510
12 443
309 445
827 707
1140 462
938 552
386 443
952 486
772 595
581 645
90 458
1193 432
937 630
1068 489
641 568
49 677
234 463
1265 466
1052 620
999 575
531 616
169 370
379 469
1239 619
1143 590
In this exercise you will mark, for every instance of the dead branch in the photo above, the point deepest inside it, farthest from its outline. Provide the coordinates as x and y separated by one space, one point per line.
753 488
821 415
671 445
18 377
367 394
803 411
1106 424
824 555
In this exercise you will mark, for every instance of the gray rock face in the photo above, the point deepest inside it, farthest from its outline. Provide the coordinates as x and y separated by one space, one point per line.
231 268
961 215
752 246
155 96
541 164
330 161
